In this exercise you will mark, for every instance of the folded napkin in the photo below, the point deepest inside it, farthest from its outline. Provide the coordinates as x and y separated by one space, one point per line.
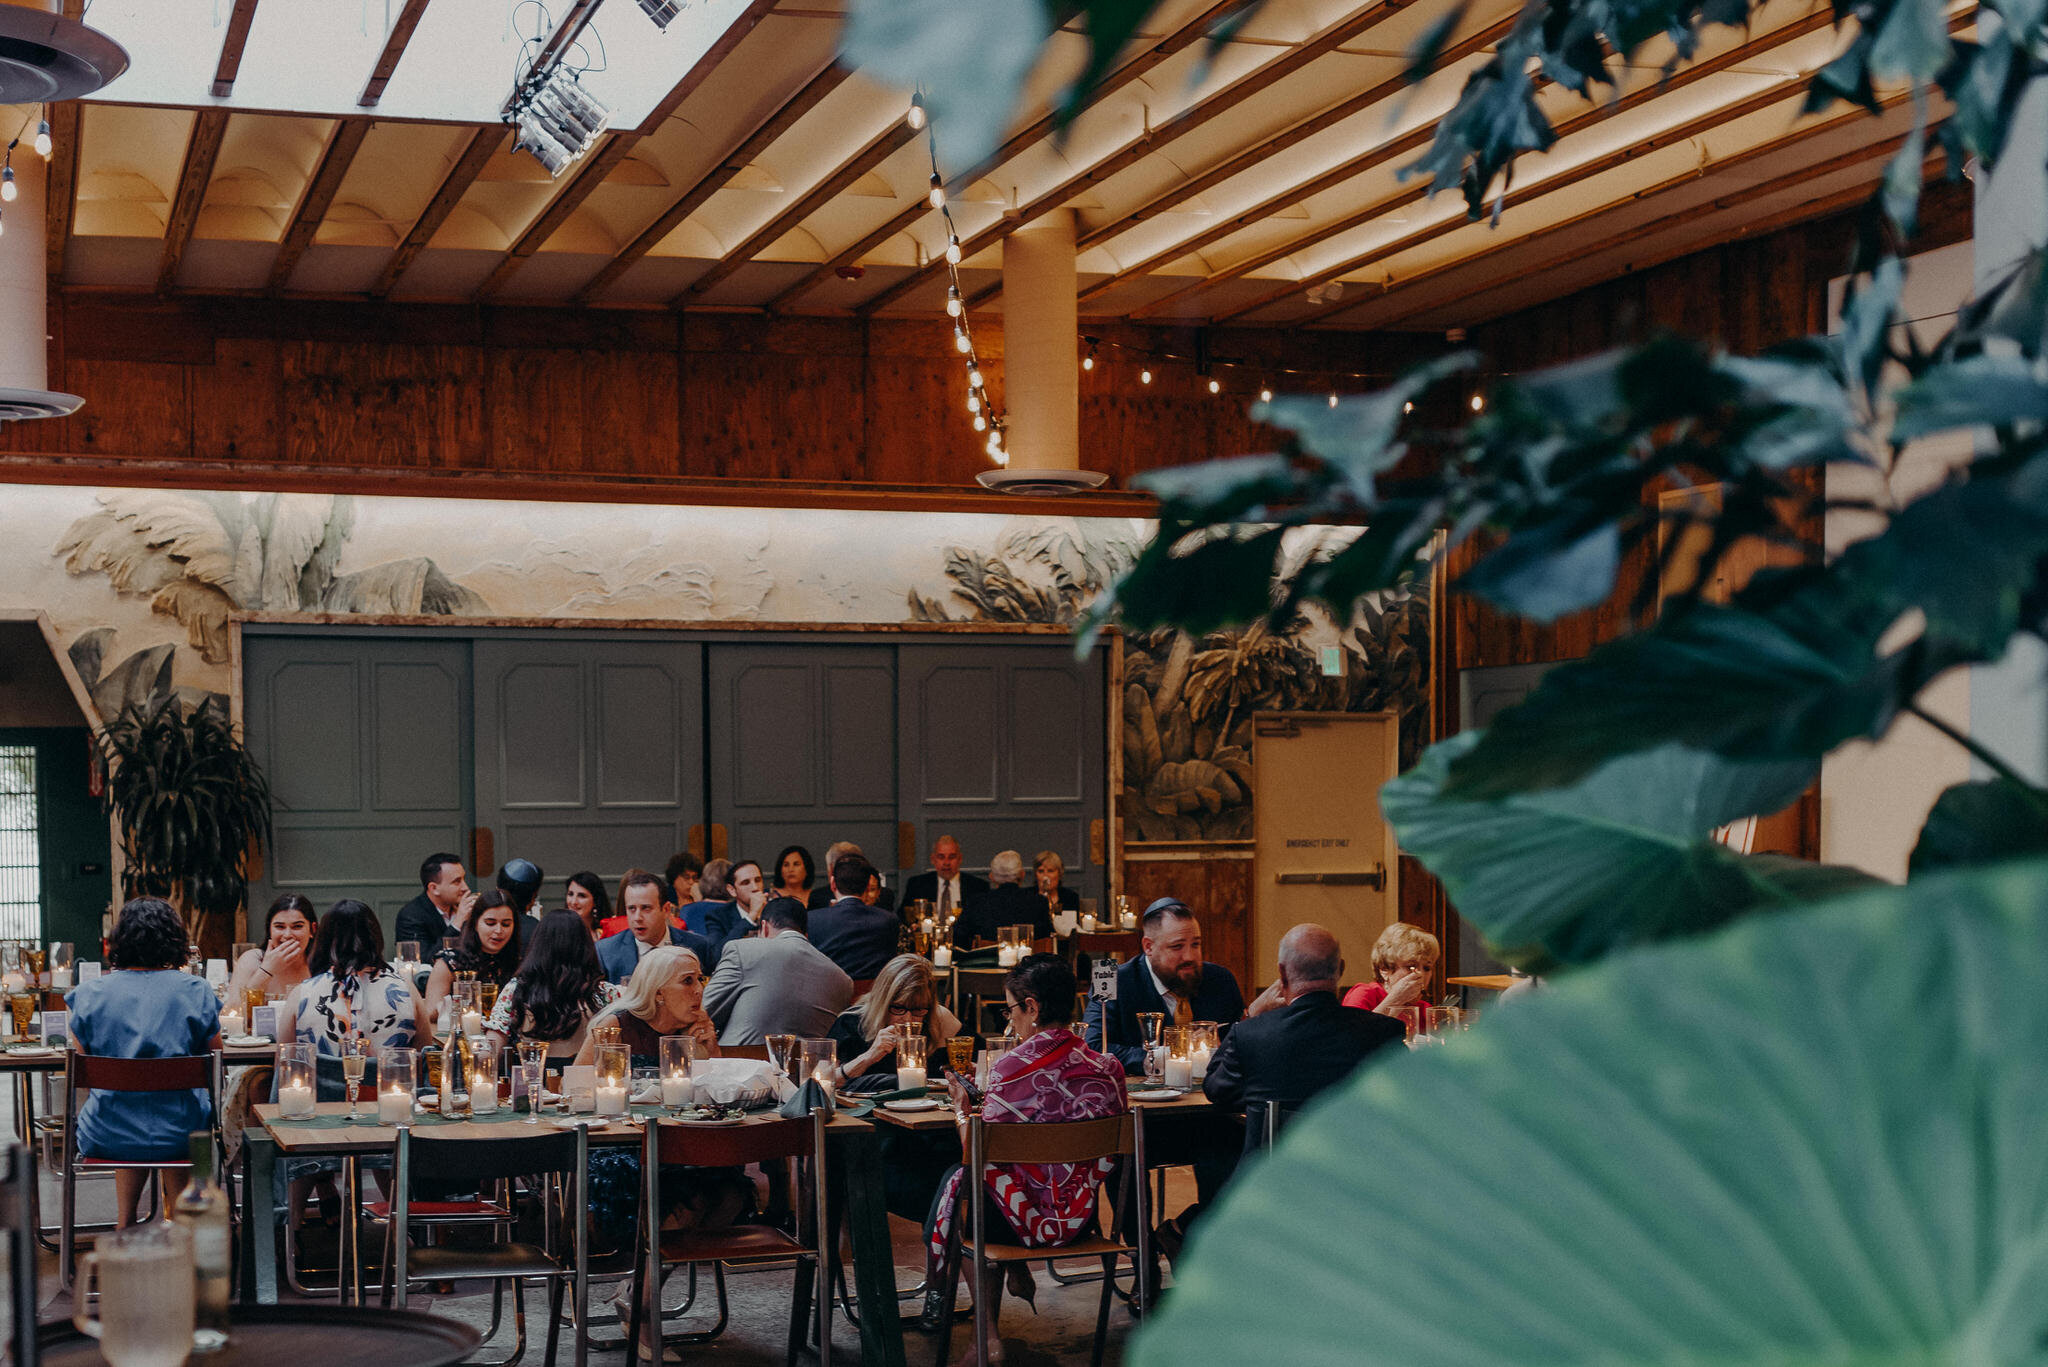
803 1102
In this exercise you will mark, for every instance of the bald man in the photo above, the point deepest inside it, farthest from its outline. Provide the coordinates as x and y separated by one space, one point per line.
1286 1055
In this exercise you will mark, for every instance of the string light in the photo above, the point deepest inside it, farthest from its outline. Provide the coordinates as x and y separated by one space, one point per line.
938 192
1145 377
986 417
952 249
954 305
1333 401
1265 396
1215 386
43 138
915 116
1478 403
960 342
1408 407
8 189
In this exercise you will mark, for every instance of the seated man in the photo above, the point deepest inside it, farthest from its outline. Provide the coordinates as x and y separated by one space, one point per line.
1006 903
857 937
776 983
741 917
821 896
1285 1056
714 899
1167 976
648 926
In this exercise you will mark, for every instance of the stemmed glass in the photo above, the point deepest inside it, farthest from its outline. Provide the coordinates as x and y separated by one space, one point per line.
1151 1025
782 1053
533 1063
355 1057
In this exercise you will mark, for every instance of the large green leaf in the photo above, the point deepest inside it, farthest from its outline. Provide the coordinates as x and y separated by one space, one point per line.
1981 823
1810 1139
969 57
1622 857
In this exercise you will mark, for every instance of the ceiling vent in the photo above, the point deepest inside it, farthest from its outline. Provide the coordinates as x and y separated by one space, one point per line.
45 57
1041 482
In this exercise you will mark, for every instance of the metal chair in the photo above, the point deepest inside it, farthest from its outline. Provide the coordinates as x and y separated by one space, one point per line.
801 1139
18 1225
1077 1141
89 1072
564 1156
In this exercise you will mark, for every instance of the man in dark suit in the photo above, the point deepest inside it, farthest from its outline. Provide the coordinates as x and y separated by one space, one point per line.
849 932
441 908
741 917
821 896
714 895
1285 1056
945 887
1167 976
649 925
1006 903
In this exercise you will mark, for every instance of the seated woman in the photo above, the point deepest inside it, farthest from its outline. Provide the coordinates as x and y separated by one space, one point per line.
904 993
1049 868
559 987
280 964
352 991
488 947
1051 1076
146 1008
794 870
665 996
1402 959
586 896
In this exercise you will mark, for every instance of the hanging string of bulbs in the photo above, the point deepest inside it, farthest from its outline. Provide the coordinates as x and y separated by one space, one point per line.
987 417
9 191
1152 359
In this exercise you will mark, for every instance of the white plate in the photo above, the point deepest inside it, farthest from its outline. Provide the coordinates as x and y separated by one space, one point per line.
1157 1094
570 1122
33 1051
700 1120
245 1041
912 1104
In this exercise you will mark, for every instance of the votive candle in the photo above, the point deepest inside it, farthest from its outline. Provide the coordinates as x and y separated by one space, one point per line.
676 1091
611 1101
394 1106
1179 1071
295 1101
908 1079
942 957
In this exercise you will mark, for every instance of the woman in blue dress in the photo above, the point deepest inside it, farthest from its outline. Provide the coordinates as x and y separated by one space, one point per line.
146 1007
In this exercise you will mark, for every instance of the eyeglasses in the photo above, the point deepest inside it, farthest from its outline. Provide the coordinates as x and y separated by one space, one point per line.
1012 1008
904 1009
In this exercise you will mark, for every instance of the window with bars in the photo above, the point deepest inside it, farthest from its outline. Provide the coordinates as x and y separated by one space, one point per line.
21 846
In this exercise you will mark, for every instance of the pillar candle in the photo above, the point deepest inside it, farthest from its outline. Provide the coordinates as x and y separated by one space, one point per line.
1088 922
942 957
60 980
231 1024
296 1100
394 1106
1178 1071
676 1091
1200 1059
908 1078
611 1101
472 1023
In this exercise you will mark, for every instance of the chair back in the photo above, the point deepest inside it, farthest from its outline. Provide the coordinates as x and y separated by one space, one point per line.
1069 1141
861 987
733 1146
756 1052
17 1226
488 1160
180 1073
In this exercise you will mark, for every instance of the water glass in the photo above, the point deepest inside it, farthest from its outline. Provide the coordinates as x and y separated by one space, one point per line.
818 1060
146 1293
531 1073
485 1069
782 1052
677 1091
355 1059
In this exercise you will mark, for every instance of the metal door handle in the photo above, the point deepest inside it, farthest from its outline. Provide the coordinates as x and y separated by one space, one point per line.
1375 878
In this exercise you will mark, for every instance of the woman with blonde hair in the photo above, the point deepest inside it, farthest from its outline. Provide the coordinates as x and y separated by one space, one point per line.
1048 868
905 994
665 996
1402 959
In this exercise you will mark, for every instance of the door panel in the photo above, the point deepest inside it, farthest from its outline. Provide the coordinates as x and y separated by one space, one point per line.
588 753
1003 745
366 742
803 749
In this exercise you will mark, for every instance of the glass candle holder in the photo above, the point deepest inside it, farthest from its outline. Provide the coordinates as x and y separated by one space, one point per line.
1202 1046
818 1060
486 1067
1178 1068
613 1079
911 1052
397 1074
677 1091
297 1082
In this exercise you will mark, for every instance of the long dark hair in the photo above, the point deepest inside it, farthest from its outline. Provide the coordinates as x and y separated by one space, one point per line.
349 940
600 897
469 950
287 901
810 866
559 978
148 934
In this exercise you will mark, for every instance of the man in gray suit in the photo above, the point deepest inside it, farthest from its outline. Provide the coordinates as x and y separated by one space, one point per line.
776 983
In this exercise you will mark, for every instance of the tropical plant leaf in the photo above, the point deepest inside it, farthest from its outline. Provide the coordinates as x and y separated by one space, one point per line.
1810 1138
1981 823
1620 858
969 57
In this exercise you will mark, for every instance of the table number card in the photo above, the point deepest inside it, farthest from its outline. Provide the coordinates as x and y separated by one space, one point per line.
88 970
56 1026
1102 981
263 1021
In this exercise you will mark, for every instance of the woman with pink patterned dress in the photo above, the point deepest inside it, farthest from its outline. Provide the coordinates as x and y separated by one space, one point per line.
1051 1076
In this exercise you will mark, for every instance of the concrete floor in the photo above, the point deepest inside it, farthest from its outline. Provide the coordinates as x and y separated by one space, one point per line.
1061 1331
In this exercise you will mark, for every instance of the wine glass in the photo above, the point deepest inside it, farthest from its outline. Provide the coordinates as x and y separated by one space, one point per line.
1151 1025
354 1058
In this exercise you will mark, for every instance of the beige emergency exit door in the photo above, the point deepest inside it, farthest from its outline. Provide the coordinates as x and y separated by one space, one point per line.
1323 853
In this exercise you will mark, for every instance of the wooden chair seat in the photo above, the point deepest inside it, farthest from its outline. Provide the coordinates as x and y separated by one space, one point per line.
1085 1247
458 1262
736 1243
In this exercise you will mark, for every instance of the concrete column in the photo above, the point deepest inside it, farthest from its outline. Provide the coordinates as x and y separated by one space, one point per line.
24 291
1041 344
2009 699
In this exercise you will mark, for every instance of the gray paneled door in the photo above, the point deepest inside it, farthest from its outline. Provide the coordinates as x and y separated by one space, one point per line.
366 742
1002 748
589 753
803 749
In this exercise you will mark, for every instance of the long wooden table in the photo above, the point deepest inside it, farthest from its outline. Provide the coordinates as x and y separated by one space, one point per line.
853 1172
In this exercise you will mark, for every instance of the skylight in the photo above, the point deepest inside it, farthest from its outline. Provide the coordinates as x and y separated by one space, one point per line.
314 56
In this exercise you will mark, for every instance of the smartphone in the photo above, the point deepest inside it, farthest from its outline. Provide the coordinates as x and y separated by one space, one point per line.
967 1085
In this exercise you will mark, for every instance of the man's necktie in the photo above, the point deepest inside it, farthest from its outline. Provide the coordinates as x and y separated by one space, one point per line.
945 899
1183 1013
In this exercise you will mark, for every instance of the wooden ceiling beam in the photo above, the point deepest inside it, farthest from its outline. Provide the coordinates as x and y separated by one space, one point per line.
342 145
1182 38
1195 116
468 166
202 149
60 190
395 43
878 149
231 48
1577 223
718 177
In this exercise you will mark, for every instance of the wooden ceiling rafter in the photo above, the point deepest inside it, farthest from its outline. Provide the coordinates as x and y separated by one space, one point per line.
1182 38
60 192
395 43
476 153
1196 115
343 143
232 45
764 135
1578 222
202 149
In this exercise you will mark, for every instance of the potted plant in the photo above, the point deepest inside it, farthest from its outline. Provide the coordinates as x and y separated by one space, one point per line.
193 807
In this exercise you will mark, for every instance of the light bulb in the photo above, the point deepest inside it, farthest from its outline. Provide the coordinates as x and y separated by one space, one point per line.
1215 387
1144 377
1265 396
3 225
1408 407
960 342
1333 401
974 377
952 249
915 118
1478 403
43 138
8 189
953 304
980 423
1088 361
938 194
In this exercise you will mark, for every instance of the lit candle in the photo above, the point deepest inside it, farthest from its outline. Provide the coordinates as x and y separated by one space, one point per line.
942 957
231 1024
394 1106
1130 920
60 979
1006 956
1088 922
472 1023
295 1100
823 1078
611 1101
1200 1058
13 981
483 1099
927 925
676 1091
1179 1071
908 1079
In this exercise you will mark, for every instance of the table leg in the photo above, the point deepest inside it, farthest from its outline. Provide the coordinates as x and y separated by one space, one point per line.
857 1174
260 1250
350 1276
